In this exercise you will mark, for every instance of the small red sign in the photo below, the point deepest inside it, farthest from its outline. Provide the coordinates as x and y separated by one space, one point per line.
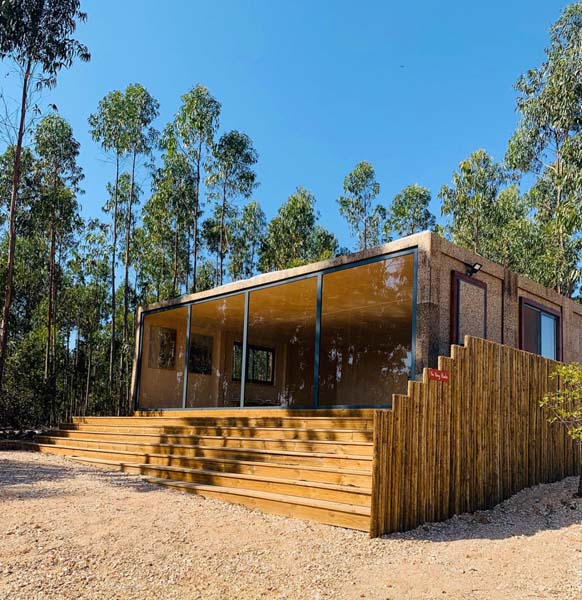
437 375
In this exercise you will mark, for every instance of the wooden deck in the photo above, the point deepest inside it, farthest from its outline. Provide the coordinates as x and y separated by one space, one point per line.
314 465
445 448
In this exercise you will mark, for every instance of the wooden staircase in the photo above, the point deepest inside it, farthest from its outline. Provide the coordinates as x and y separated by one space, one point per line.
315 465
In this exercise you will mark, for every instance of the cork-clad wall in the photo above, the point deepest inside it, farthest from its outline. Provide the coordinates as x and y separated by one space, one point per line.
504 290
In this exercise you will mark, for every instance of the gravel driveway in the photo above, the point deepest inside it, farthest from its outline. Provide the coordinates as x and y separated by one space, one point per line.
69 531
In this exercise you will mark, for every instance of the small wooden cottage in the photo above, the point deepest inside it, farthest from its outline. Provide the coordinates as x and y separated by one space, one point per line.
377 391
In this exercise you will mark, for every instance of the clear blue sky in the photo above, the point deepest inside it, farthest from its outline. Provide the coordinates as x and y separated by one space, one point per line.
412 87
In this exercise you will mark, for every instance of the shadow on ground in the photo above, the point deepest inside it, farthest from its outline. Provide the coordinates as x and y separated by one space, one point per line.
21 479
532 511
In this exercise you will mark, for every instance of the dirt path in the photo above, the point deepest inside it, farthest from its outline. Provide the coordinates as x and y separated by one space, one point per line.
68 531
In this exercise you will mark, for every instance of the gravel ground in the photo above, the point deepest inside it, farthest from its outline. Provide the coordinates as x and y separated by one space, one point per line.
69 531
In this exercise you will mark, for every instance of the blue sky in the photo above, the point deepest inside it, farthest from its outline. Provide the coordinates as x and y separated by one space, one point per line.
412 87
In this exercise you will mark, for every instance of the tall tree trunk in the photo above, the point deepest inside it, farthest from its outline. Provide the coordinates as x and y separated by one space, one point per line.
88 380
113 257
175 268
196 215
49 371
12 223
123 358
49 321
222 236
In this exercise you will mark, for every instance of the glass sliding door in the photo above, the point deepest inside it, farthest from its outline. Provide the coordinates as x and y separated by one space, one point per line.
216 326
280 345
163 355
366 333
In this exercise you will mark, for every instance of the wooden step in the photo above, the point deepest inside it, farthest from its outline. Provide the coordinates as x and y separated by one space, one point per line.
275 421
305 489
327 413
281 456
302 463
325 474
327 446
331 513
347 435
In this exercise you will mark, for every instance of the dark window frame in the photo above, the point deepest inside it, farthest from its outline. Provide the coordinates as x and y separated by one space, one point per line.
542 308
251 348
456 278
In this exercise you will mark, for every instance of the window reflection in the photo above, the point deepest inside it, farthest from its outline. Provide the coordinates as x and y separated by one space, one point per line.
214 327
162 365
281 342
366 333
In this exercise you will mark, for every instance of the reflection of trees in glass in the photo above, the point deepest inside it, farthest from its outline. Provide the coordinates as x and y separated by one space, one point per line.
367 330
200 358
162 348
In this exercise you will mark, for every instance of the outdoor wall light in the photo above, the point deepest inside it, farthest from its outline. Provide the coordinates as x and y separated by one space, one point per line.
471 269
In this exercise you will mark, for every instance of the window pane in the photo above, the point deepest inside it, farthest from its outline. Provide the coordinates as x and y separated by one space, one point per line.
548 336
214 327
531 329
471 311
366 333
281 340
162 365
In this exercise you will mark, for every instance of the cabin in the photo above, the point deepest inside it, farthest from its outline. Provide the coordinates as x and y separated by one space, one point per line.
376 391
345 333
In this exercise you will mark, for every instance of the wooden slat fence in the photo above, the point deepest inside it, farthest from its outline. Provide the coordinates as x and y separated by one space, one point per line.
467 444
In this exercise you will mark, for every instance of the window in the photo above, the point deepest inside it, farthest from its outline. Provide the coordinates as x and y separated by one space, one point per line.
214 326
260 363
162 350
468 308
366 333
283 317
540 329
161 379
200 360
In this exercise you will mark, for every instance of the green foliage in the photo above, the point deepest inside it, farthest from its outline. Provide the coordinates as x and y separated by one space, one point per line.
548 143
248 232
38 33
409 212
565 403
357 205
230 175
471 201
293 237
191 134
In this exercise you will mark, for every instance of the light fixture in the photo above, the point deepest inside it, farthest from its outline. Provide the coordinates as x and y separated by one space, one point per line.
471 269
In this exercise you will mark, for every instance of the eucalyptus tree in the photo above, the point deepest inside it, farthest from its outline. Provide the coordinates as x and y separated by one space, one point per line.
35 36
57 151
249 231
166 218
548 144
357 205
140 110
230 175
409 212
293 236
192 134
89 268
219 232
471 201
108 127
